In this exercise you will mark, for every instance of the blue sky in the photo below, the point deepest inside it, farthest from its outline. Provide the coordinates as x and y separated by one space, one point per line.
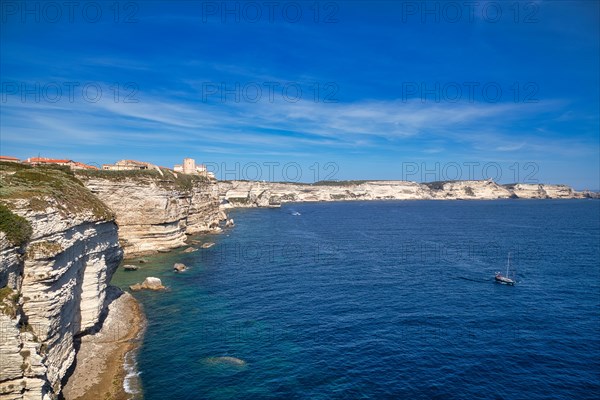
388 90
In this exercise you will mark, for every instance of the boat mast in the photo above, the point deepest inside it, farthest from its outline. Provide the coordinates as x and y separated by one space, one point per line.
508 264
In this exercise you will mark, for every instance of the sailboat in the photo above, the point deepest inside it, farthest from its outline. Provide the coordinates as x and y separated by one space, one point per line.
505 280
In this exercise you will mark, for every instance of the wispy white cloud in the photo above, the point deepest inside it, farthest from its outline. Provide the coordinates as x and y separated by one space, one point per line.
514 147
282 127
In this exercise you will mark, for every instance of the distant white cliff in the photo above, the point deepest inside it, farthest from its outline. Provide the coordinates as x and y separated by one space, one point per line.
272 194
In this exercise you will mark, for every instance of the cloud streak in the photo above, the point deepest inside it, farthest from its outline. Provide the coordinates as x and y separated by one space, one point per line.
281 125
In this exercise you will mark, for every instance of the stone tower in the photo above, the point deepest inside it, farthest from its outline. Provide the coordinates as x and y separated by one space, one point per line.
189 166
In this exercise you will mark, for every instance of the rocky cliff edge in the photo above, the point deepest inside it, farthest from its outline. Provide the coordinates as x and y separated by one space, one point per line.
58 250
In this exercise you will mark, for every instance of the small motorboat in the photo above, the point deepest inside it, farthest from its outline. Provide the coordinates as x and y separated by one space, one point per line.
504 279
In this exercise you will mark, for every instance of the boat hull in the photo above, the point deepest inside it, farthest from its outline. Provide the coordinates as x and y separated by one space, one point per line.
504 281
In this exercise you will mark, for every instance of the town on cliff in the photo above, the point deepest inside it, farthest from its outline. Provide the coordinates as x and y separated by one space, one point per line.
245 193
187 167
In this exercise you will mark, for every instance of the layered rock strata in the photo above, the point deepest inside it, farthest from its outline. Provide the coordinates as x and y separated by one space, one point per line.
156 211
57 255
272 194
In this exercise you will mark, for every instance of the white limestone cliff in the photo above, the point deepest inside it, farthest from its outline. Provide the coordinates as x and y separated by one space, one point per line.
157 212
465 190
272 194
57 282
61 249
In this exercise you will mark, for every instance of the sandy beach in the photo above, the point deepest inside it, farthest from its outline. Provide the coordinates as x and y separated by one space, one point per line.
99 372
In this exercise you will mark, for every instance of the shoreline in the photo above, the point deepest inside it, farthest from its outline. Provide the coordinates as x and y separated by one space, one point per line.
100 371
242 194
238 206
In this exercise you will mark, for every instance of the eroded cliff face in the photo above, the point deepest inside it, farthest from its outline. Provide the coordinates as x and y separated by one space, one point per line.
155 211
538 191
53 277
272 194
59 247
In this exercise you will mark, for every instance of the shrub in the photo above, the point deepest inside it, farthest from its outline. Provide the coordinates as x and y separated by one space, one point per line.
44 249
8 302
17 229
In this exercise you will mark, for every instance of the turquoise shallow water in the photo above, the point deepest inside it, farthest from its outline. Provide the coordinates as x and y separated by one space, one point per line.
380 300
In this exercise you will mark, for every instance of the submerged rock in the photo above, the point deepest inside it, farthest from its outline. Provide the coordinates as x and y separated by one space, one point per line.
190 250
233 361
179 267
150 283
142 261
208 245
130 267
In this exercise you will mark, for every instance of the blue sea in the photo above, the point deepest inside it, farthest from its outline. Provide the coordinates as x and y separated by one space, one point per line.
377 300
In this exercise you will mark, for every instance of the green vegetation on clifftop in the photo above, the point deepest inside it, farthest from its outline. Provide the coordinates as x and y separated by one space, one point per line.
168 179
44 187
17 229
341 183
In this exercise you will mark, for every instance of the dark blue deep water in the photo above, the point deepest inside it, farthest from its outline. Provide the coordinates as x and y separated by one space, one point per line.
381 300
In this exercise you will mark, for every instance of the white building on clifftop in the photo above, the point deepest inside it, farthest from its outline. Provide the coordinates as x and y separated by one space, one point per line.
189 167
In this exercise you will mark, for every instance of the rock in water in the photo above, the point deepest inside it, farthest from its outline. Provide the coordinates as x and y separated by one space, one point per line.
130 267
207 245
179 267
150 283
190 250
233 361
230 223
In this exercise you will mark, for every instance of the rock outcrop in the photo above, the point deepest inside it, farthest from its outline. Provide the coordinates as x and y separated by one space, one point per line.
150 283
179 267
54 272
226 361
156 211
469 190
537 191
272 194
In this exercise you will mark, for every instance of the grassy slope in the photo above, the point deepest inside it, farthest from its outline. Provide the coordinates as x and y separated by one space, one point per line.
42 187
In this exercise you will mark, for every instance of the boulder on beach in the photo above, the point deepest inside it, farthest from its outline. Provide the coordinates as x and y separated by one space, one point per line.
130 267
207 245
179 267
150 283
190 250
